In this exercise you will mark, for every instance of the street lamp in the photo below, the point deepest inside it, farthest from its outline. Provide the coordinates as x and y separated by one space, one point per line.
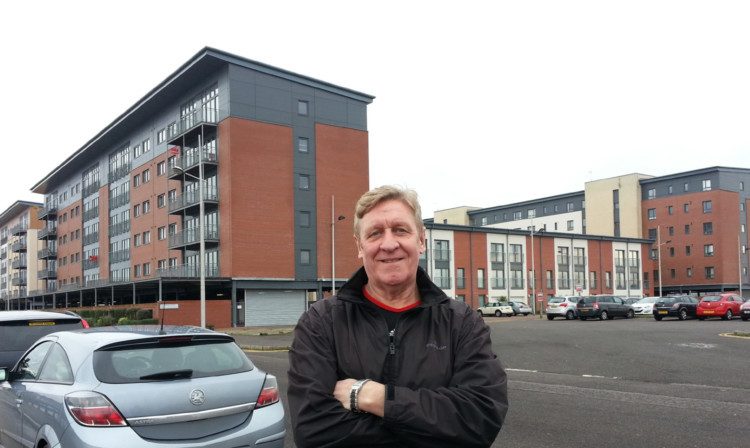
333 244
201 230
659 244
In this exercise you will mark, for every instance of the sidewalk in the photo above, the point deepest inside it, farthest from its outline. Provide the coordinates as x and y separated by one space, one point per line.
261 338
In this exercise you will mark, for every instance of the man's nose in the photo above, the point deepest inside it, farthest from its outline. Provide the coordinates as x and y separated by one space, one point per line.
389 242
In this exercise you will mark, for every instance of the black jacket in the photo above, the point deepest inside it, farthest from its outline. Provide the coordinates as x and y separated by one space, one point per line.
448 388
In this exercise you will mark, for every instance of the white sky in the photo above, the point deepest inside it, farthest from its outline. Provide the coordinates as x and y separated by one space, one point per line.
478 103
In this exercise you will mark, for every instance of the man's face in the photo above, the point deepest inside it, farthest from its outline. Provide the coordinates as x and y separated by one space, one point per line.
389 244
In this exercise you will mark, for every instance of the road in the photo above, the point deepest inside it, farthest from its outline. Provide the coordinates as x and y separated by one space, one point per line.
619 384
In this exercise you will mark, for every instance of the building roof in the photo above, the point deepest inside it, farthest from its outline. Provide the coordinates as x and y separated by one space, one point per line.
206 61
16 209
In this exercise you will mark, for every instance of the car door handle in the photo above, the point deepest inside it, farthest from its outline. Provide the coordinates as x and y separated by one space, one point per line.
19 402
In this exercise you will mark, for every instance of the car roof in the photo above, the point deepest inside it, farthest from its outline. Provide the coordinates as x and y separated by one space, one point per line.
34 315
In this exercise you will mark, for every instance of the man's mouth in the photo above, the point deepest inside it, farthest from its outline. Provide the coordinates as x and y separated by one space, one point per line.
391 260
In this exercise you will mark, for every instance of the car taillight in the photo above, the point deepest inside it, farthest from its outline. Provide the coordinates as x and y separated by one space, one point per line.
676 305
93 409
85 324
270 393
564 304
596 305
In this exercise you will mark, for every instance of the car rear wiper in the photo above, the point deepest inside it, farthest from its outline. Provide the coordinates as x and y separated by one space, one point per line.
169 375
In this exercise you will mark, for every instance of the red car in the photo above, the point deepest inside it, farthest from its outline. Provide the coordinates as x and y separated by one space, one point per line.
725 306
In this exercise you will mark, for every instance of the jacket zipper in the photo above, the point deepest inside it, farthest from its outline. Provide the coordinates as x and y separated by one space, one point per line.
390 381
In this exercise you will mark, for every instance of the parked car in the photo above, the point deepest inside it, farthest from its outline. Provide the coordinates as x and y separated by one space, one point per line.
520 308
496 309
604 307
140 386
20 329
632 300
680 307
645 306
745 310
725 306
562 306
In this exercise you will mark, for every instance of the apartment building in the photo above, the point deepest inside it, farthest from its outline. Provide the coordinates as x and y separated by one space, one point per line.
696 222
221 183
21 233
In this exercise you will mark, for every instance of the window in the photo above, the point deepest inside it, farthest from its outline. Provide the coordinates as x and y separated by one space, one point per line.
137 270
304 219
303 144
671 231
671 210
570 207
136 180
146 268
669 189
137 210
146 145
460 279
161 168
137 150
146 207
706 184
442 250
304 256
161 200
686 208
484 221
652 234
742 185
689 272
708 250
652 193
146 176
304 182
592 279
480 279
708 228
710 273
671 251
516 216
137 241
497 252
161 136
162 233
687 229
571 226
706 206
687 251
608 280
685 187
147 237
531 213
171 196
302 107
652 213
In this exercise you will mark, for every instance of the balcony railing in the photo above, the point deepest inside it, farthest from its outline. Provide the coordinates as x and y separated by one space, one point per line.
47 212
50 231
119 228
19 229
49 252
497 282
189 198
19 263
192 236
563 283
188 271
90 188
191 120
91 213
46 273
18 246
119 200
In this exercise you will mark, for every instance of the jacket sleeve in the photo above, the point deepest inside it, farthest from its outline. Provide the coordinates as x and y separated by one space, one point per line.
467 413
318 419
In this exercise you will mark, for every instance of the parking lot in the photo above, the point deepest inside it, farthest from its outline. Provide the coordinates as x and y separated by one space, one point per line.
616 383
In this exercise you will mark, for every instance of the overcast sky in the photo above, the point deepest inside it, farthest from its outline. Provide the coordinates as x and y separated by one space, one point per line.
477 103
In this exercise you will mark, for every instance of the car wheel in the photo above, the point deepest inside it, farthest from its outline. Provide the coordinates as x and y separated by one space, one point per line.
630 315
551 317
525 314
570 315
683 314
745 318
582 318
657 317
498 313
480 313
603 316
701 317
728 315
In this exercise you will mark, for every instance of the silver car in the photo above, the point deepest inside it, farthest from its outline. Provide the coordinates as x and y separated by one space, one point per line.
562 307
140 386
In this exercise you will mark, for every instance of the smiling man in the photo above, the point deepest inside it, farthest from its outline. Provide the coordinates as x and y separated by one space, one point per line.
392 361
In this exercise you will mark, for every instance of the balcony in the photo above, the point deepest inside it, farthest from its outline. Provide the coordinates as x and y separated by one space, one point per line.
47 213
49 252
18 246
19 280
192 198
46 274
191 121
497 282
187 271
19 229
49 232
192 237
19 263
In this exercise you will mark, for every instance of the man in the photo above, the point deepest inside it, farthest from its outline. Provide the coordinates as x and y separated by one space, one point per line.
391 361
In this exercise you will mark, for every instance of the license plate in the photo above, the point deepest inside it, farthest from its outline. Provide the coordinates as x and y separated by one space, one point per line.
663 312
745 311
553 306
708 311
584 309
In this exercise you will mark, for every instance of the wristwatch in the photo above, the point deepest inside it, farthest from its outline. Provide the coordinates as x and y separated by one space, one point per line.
354 394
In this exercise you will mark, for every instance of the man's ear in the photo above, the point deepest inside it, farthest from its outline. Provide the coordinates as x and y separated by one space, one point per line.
360 254
423 241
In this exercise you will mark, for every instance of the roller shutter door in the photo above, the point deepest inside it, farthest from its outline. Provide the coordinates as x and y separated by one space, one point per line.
270 308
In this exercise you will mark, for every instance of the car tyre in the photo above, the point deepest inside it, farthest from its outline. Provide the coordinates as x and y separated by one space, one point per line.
658 317
630 314
551 317
728 315
745 318
570 315
682 315
603 316
701 317
480 313
582 318
498 313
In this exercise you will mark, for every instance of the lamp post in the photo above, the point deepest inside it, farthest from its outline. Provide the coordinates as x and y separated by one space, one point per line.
333 244
201 231
659 244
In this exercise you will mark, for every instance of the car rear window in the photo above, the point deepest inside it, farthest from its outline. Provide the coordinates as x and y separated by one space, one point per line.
587 300
19 335
157 361
711 299
556 300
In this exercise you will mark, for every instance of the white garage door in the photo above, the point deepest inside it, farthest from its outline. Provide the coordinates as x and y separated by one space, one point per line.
269 308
